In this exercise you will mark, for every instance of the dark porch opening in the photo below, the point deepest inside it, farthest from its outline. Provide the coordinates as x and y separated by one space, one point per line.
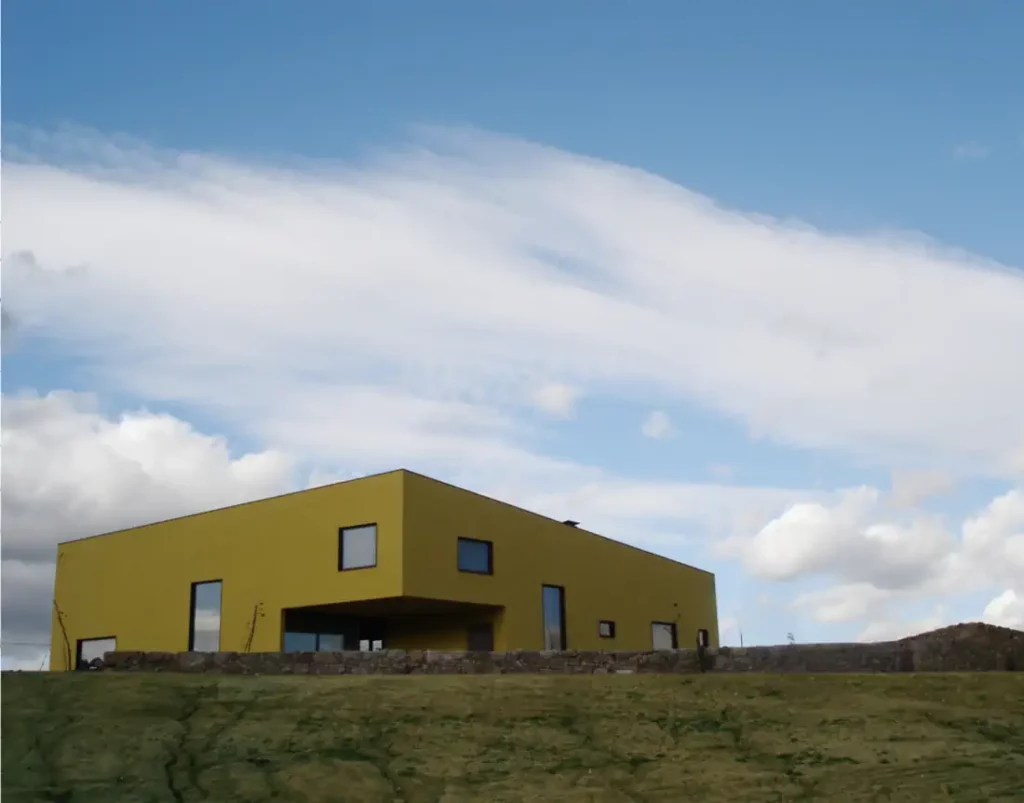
390 623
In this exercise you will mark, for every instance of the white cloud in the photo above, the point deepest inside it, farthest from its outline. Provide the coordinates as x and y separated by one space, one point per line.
845 603
1006 610
91 474
556 399
880 563
896 628
70 471
658 425
847 540
910 488
620 507
463 273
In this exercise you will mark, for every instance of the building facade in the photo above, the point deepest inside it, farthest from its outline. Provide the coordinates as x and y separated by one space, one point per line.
396 560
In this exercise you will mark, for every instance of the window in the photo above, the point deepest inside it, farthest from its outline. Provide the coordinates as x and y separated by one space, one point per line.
204 617
357 547
553 599
606 629
476 556
313 642
663 636
300 642
89 649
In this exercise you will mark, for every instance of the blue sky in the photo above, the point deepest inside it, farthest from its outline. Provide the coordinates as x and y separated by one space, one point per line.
867 163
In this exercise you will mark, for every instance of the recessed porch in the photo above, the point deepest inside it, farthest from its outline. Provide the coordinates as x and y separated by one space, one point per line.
404 623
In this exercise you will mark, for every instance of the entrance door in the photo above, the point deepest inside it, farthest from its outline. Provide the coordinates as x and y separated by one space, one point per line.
663 636
480 637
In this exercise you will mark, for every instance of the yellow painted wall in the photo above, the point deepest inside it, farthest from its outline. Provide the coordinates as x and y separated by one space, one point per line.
283 552
447 632
603 579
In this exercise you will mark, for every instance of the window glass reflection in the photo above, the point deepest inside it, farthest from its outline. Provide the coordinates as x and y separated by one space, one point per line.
358 547
554 624
205 630
300 642
474 556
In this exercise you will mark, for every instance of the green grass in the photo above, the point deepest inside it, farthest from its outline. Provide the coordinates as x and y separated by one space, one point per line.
176 738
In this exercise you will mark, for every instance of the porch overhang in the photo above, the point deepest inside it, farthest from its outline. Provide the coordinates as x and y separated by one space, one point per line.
400 606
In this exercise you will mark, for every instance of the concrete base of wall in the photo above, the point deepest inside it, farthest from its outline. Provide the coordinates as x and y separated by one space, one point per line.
962 648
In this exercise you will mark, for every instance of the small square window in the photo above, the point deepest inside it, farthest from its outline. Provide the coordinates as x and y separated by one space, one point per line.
357 547
476 556
606 629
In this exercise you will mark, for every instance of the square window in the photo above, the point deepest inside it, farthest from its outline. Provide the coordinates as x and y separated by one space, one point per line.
476 556
606 629
357 547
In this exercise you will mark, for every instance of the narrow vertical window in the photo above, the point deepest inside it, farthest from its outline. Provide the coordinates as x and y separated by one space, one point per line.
554 617
204 619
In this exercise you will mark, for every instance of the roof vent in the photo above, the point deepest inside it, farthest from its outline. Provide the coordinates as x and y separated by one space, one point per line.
570 522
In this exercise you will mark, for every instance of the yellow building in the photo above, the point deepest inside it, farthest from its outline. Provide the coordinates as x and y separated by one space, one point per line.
395 560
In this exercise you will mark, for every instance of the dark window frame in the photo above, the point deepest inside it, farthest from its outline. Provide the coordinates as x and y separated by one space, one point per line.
561 614
490 555
675 633
611 628
192 611
81 641
341 546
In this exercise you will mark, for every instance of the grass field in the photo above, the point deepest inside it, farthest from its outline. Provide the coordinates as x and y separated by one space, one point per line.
150 737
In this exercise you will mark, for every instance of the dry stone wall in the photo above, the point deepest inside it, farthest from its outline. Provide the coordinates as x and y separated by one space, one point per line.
963 648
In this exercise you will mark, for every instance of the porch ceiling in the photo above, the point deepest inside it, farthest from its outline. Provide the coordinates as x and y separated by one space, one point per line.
399 606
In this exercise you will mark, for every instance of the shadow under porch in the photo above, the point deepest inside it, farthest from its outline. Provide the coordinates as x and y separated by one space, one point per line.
402 623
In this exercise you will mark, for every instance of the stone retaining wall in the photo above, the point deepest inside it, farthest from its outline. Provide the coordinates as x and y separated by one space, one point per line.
963 648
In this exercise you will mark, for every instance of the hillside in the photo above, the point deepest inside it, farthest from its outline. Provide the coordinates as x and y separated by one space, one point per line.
133 737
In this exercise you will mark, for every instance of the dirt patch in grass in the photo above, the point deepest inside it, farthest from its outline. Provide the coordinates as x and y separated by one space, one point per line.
107 737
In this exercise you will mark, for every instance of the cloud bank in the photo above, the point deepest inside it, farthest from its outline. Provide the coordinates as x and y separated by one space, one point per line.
472 269
421 309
